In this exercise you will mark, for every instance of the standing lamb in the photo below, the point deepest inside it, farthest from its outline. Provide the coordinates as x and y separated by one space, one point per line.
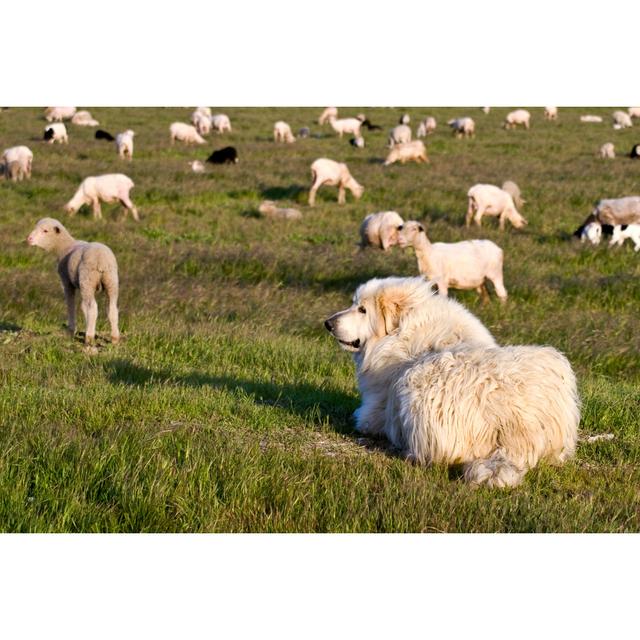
202 123
282 132
608 150
463 127
406 151
334 174
111 187
345 125
185 133
87 266
221 123
124 144
427 126
84 119
58 114
380 230
399 134
514 118
514 191
459 265
621 120
329 112
17 162
551 113
487 199
56 132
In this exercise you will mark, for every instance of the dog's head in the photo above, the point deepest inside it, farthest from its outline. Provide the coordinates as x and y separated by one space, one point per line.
377 309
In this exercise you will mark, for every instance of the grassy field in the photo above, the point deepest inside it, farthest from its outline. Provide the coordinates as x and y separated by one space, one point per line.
227 406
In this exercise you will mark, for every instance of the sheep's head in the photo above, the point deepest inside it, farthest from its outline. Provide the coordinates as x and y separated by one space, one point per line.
356 189
409 232
46 233
516 219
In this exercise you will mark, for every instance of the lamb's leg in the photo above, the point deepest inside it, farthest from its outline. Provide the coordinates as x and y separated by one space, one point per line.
97 210
341 195
469 212
498 283
502 219
110 282
90 310
70 299
312 193
478 217
125 201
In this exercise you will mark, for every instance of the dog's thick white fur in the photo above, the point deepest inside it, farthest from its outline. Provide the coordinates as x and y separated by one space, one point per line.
434 381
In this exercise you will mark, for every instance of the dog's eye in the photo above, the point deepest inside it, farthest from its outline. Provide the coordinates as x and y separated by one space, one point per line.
361 309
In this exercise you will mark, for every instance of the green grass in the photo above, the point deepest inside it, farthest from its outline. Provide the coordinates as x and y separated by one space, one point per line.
226 407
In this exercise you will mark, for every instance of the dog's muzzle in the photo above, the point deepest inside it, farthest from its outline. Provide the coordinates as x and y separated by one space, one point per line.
330 326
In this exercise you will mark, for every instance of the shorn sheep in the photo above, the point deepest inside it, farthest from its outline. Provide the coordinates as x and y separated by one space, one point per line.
124 144
56 132
269 209
621 120
17 162
58 114
380 230
463 127
111 187
427 126
487 199
84 119
345 125
514 191
185 133
618 211
607 150
408 151
514 118
87 266
399 134
329 112
282 132
334 174
456 265
551 113
221 123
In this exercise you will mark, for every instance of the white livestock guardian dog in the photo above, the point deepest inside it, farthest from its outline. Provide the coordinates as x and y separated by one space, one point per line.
436 384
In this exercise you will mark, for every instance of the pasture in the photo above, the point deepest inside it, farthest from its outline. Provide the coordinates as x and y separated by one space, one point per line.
227 406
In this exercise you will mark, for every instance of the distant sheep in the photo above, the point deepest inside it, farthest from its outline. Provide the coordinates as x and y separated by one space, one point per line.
634 112
635 151
514 118
617 211
17 162
399 134
405 119
456 265
304 132
607 150
366 123
202 123
200 112
226 155
335 174
407 151
427 126
185 133
329 112
589 118
514 191
196 166
124 144
487 199
551 113
357 142
58 114
87 266
380 230
104 135
345 125
84 119
463 127
282 132
221 123
111 187
56 132
622 232
621 119
269 209
486 110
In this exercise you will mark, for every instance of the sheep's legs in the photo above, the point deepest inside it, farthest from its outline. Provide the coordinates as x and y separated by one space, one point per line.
97 210
502 217
469 213
90 310
484 294
128 205
70 299
341 195
312 193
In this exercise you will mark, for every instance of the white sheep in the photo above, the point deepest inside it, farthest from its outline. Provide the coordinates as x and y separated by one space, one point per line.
399 134
608 150
486 110
357 142
329 112
622 119
345 125
269 209
514 118
487 199
124 144
58 114
221 123
380 230
620 235
463 127
427 126
634 112
197 166
456 265
111 187
56 132
590 118
405 119
514 191
617 211
17 162
200 111
185 133
406 151
551 113
202 123
84 119
87 266
334 174
282 132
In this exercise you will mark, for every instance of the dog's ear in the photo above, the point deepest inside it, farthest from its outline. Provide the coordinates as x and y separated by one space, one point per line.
390 306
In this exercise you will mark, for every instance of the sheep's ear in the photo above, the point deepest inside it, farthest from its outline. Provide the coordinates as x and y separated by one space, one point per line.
420 228
57 228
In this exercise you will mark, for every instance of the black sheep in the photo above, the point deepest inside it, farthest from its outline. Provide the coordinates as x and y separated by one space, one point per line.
635 151
104 135
48 134
224 156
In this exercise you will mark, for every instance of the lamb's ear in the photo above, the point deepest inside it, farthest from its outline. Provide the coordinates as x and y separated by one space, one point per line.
420 227
57 228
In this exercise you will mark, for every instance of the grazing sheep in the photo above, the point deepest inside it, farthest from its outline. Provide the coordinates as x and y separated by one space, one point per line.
380 230
608 150
58 114
551 113
111 187
514 191
335 174
124 144
514 118
463 127
635 151
201 111
367 124
591 230
269 209
345 125
185 133
329 112
17 162
196 166
304 132
84 119
87 266
456 265
486 110
621 119
405 119
590 118
202 123
407 151
622 232
357 142
617 211
282 132
634 112
104 135
56 132
399 134
226 155
487 199
221 123
427 126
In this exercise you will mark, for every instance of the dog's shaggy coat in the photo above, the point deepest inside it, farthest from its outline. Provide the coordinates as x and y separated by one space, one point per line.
434 381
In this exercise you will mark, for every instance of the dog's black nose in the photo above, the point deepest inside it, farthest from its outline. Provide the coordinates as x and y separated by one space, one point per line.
329 326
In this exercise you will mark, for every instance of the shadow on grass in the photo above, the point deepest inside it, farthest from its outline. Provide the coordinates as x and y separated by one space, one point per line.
283 193
9 326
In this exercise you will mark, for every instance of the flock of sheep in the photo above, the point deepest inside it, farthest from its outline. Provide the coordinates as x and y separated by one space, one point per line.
89 267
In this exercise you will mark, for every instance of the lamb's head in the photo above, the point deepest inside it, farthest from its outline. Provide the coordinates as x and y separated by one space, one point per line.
267 206
592 232
515 218
410 232
355 187
46 234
